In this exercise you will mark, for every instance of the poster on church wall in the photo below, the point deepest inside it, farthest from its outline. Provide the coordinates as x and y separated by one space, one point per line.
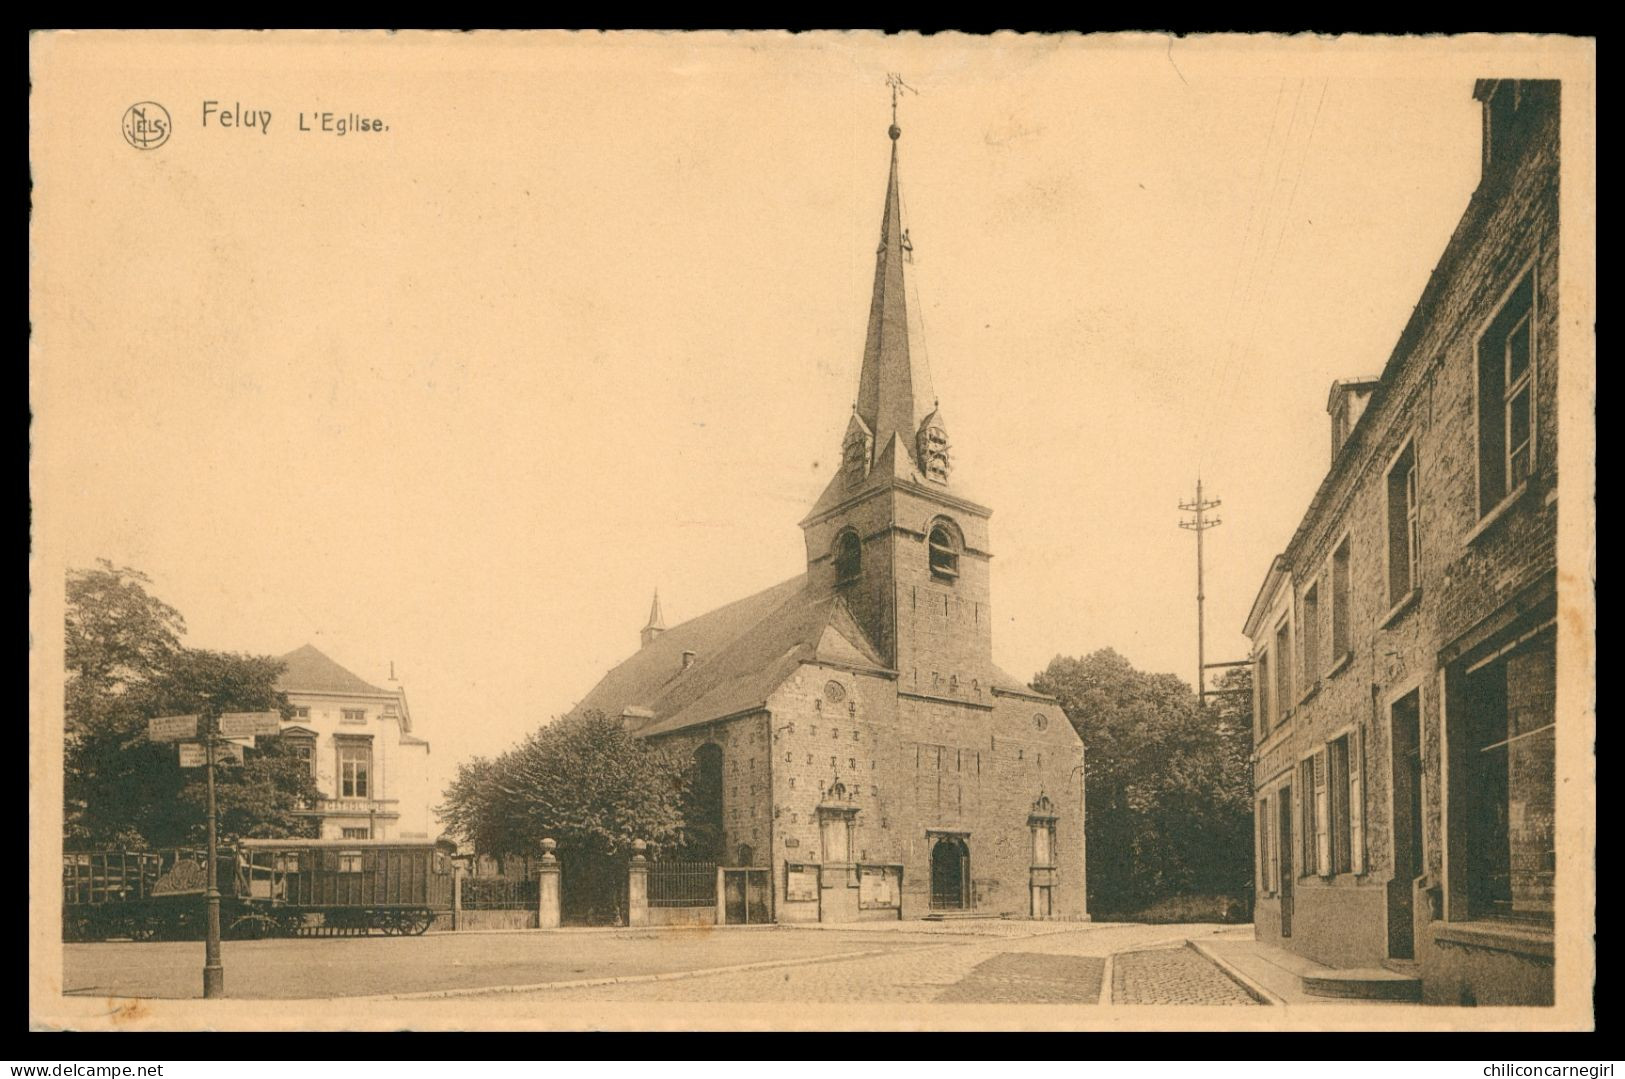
879 886
800 882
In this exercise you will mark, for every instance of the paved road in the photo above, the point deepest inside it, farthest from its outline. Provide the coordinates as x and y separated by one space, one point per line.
968 962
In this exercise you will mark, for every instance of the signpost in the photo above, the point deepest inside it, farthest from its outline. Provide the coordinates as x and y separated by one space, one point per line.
201 740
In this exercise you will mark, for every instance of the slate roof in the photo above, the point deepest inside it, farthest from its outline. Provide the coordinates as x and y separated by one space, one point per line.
311 671
743 652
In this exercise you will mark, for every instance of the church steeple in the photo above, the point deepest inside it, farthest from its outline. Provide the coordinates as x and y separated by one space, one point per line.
657 622
894 387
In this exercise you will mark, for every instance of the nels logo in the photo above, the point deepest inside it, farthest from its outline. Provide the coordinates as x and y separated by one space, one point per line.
147 125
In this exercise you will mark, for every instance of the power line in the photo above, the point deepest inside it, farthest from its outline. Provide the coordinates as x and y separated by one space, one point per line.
1200 523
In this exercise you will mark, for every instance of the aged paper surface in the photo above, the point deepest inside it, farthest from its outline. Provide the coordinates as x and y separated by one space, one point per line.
427 274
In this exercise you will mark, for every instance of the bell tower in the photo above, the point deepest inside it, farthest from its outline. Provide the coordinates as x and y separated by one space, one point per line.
892 535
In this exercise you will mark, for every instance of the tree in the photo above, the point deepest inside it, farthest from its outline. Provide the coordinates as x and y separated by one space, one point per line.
125 665
1166 792
580 780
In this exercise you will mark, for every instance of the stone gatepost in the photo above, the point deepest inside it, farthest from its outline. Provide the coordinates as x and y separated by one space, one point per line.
456 896
722 897
547 888
637 886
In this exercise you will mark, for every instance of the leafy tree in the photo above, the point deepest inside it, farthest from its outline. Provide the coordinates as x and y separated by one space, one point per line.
125 665
1168 786
580 780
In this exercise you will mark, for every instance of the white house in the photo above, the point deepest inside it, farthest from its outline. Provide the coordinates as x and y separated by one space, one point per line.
371 770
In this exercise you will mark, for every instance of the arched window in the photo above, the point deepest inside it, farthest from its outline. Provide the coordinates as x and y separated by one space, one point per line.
848 557
944 552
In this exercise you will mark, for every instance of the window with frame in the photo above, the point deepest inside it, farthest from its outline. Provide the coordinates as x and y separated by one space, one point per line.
355 770
349 861
1261 681
1404 526
1337 781
1283 670
944 553
304 748
1506 392
848 557
355 833
1508 709
353 715
1309 823
301 711
1341 642
1311 633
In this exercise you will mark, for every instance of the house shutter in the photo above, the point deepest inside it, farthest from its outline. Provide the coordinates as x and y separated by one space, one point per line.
1323 837
1263 846
1357 800
1298 804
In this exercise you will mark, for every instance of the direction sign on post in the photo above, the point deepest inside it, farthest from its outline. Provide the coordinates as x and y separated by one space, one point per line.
248 724
172 728
193 754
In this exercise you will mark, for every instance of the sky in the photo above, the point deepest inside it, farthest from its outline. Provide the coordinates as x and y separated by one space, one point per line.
587 321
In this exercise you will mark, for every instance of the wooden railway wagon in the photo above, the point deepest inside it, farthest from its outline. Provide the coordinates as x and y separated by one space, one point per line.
344 886
268 887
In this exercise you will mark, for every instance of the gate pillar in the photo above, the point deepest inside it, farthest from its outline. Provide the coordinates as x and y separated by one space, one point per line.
547 888
637 886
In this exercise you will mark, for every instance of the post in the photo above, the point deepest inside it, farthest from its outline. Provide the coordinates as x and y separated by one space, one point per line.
547 887
214 975
1083 830
637 886
456 896
722 898
1200 524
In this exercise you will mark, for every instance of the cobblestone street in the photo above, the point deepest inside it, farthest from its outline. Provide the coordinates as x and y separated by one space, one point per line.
1172 976
970 962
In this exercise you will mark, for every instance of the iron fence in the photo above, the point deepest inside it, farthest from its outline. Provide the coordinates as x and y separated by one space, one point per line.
682 884
499 893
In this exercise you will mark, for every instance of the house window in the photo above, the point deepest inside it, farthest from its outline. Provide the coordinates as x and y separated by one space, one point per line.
355 833
350 861
353 715
1508 710
944 553
1404 529
848 557
301 712
1283 670
1261 682
1311 634
1309 819
355 769
1337 779
304 749
1341 644
1506 417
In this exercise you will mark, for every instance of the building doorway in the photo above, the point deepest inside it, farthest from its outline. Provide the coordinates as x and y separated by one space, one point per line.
950 874
1406 729
1289 874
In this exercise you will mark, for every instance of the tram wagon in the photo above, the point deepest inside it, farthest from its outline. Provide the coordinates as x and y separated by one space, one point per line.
268 887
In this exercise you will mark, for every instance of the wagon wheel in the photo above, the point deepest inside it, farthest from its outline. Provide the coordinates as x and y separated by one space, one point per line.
254 926
419 922
390 922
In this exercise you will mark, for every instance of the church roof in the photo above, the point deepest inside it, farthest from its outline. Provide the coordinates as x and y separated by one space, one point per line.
308 670
742 653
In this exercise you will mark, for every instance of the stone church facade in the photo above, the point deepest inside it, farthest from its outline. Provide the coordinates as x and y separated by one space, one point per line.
868 752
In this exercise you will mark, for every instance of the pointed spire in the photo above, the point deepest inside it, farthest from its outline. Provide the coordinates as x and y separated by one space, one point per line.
657 621
894 390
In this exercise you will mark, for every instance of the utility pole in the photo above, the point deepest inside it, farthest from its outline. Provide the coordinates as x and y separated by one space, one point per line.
1199 524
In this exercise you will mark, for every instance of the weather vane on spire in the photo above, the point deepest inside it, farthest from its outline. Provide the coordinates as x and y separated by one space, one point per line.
895 81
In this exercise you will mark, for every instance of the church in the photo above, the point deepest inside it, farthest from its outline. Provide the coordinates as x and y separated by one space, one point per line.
862 748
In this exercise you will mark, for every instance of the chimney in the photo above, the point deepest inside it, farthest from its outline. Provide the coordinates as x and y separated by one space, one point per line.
688 659
1346 404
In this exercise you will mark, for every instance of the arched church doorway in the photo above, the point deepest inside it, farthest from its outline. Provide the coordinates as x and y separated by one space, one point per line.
703 811
950 873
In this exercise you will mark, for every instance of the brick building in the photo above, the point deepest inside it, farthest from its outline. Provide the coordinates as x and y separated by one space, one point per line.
1404 642
862 743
